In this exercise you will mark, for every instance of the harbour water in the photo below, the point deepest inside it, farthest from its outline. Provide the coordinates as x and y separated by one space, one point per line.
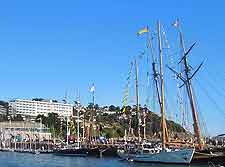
12 159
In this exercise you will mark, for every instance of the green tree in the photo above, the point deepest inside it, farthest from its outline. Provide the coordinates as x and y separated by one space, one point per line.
112 108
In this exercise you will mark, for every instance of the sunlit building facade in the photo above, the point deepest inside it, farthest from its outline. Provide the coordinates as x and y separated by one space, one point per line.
42 107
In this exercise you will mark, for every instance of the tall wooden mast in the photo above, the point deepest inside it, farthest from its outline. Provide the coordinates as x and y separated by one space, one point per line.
190 91
186 78
163 121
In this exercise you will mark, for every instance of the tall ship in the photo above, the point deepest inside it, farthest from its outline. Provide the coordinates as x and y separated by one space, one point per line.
78 150
184 153
164 155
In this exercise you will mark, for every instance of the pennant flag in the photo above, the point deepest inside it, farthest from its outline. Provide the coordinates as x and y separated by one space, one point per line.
124 109
142 31
126 92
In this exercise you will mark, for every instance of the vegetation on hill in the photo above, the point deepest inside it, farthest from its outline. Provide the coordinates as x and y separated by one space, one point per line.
110 121
115 124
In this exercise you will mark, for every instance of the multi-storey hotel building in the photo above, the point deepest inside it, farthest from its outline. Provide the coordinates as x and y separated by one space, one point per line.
43 107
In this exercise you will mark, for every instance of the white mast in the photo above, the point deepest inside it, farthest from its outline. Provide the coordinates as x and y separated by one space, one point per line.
78 119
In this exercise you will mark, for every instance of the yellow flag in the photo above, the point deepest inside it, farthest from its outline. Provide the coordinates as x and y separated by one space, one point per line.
142 31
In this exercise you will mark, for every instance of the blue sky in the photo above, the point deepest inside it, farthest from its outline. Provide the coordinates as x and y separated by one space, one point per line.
47 47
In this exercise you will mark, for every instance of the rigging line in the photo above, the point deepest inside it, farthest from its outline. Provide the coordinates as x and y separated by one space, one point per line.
173 53
184 106
170 110
211 99
181 107
154 60
170 61
167 106
186 109
216 72
212 81
148 88
150 44
153 96
165 38
201 116
182 95
215 88
169 44
172 64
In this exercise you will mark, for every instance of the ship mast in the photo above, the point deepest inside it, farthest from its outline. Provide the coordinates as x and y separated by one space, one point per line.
91 119
186 78
137 101
92 114
163 119
155 76
78 118
190 90
160 93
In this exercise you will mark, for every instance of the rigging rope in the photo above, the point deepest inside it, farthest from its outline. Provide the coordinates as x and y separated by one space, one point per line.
201 117
180 100
211 83
211 99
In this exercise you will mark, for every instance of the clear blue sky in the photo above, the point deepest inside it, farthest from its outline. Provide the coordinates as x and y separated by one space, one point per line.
49 46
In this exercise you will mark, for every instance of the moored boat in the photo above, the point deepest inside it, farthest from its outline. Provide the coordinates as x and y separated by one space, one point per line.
77 152
167 156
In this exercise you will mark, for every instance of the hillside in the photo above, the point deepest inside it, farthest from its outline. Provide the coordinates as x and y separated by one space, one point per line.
114 125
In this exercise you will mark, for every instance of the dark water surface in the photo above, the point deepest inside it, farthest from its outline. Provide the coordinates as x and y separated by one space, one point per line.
11 159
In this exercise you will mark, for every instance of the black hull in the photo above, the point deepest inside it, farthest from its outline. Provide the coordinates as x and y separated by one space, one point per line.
103 151
71 152
93 152
205 159
110 152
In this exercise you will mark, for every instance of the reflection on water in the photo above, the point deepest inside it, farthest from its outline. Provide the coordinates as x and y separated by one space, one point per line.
164 165
8 159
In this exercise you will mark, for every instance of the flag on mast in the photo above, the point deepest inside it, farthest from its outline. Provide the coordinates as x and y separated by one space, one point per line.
142 31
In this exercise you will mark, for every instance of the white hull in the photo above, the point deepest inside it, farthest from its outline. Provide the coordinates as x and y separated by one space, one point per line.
173 157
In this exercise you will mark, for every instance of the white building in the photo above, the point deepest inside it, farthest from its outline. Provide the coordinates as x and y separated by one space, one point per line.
3 110
43 107
3 107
